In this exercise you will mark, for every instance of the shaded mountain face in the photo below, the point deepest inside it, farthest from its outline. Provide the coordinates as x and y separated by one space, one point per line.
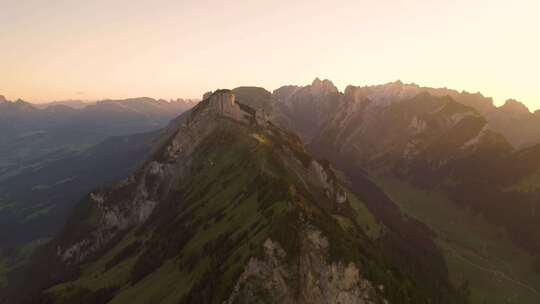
231 209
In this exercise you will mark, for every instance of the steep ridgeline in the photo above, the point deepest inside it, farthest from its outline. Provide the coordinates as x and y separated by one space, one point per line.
306 108
435 143
230 209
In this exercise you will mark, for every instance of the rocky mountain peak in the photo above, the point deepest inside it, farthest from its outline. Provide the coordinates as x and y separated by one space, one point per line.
323 86
19 105
222 102
515 107
207 95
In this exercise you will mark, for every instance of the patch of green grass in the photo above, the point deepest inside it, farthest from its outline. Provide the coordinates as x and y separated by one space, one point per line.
3 273
95 276
17 257
37 214
530 183
6 205
40 187
165 285
365 218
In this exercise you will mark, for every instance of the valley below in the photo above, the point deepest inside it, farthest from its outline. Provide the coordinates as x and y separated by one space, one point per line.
477 253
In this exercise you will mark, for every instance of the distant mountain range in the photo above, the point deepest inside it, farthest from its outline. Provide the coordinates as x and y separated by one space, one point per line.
72 103
393 193
512 120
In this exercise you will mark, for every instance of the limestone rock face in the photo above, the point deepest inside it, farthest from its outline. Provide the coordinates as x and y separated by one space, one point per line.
329 182
223 102
309 278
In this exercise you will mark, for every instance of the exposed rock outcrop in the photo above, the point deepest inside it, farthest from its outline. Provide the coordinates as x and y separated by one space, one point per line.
309 278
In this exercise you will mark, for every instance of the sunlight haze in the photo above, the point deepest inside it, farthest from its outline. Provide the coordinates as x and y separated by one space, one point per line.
55 50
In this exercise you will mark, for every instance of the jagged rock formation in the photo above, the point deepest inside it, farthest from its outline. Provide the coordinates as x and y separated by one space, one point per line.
270 278
513 120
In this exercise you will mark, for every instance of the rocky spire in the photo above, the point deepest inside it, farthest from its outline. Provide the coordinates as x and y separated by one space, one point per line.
323 86
516 107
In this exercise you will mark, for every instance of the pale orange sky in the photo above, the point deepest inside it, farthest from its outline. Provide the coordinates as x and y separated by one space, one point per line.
54 50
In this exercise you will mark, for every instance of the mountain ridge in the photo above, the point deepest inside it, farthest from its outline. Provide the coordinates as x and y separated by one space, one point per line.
306 224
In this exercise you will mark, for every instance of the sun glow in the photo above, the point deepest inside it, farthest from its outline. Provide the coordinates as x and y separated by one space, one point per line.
54 50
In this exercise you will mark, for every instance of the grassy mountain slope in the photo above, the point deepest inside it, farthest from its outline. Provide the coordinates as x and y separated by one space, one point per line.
478 253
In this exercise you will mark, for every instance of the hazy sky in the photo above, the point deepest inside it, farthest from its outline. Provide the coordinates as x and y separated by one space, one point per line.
53 49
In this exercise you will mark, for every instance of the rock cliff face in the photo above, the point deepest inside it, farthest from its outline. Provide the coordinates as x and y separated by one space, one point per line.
305 109
314 104
309 278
